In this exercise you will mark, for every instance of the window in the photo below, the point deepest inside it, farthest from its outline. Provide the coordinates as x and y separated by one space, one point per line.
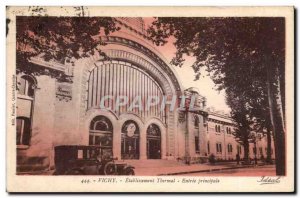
239 149
260 150
229 148
197 148
228 130
219 147
101 132
218 128
130 140
196 122
208 148
26 86
23 131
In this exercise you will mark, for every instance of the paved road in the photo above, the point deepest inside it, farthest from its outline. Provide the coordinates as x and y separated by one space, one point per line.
255 171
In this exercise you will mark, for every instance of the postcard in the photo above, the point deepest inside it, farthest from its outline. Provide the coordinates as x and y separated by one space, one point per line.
150 99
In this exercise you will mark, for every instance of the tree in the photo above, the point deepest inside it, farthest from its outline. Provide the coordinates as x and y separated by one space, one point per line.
238 53
240 113
59 39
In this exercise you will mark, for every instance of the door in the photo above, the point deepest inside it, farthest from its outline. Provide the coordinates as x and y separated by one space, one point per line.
153 142
130 143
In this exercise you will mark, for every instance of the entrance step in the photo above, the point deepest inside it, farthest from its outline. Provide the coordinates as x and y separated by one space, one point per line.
31 164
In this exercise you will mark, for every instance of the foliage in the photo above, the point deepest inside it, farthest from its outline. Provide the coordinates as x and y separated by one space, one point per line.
224 45
244 55
212 159
59 39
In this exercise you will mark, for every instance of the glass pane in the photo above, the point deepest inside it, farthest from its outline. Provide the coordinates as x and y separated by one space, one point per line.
21 86
106 140
101 126
30 88
97 140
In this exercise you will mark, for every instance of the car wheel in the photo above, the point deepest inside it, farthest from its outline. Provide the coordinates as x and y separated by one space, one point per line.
130 171
110 169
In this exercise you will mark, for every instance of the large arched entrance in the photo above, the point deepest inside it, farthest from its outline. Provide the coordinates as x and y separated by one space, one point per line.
130 146
153 142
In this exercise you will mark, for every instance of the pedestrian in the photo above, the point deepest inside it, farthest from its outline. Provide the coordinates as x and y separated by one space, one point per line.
237 159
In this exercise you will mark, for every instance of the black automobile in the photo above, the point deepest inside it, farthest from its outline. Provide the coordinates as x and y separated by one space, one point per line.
88 160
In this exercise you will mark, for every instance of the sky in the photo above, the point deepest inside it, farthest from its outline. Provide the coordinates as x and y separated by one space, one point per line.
186 74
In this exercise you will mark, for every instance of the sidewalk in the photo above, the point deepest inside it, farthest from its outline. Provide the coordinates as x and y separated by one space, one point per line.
185 169
166 167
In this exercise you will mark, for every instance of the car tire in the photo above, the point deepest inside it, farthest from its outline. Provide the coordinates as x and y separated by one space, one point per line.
129 171
110 169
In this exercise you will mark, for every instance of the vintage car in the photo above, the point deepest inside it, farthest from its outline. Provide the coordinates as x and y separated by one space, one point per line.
88 160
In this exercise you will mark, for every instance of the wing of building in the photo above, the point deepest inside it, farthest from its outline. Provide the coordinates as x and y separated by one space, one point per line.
52 113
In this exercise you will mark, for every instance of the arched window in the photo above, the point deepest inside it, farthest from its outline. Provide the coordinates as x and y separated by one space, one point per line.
23 131
219 147
26 86
101 132
130 142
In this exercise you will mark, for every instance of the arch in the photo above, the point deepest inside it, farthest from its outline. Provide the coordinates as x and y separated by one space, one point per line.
128 51
123 79
88 118
26 85
130 140
101 132
163 136
150 52
168 89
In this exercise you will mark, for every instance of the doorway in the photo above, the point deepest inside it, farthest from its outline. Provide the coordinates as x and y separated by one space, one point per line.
130 143
153 142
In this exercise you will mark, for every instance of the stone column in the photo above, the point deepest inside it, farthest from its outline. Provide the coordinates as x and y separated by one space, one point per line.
117 142
163 144
143 144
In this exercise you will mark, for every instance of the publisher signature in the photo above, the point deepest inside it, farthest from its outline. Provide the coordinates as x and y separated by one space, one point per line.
269 180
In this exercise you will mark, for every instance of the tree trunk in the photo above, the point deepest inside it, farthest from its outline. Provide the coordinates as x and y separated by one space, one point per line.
269 145
246 150
276 119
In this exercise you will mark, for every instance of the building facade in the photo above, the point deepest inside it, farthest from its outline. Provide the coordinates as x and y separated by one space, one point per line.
222 143
52 113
